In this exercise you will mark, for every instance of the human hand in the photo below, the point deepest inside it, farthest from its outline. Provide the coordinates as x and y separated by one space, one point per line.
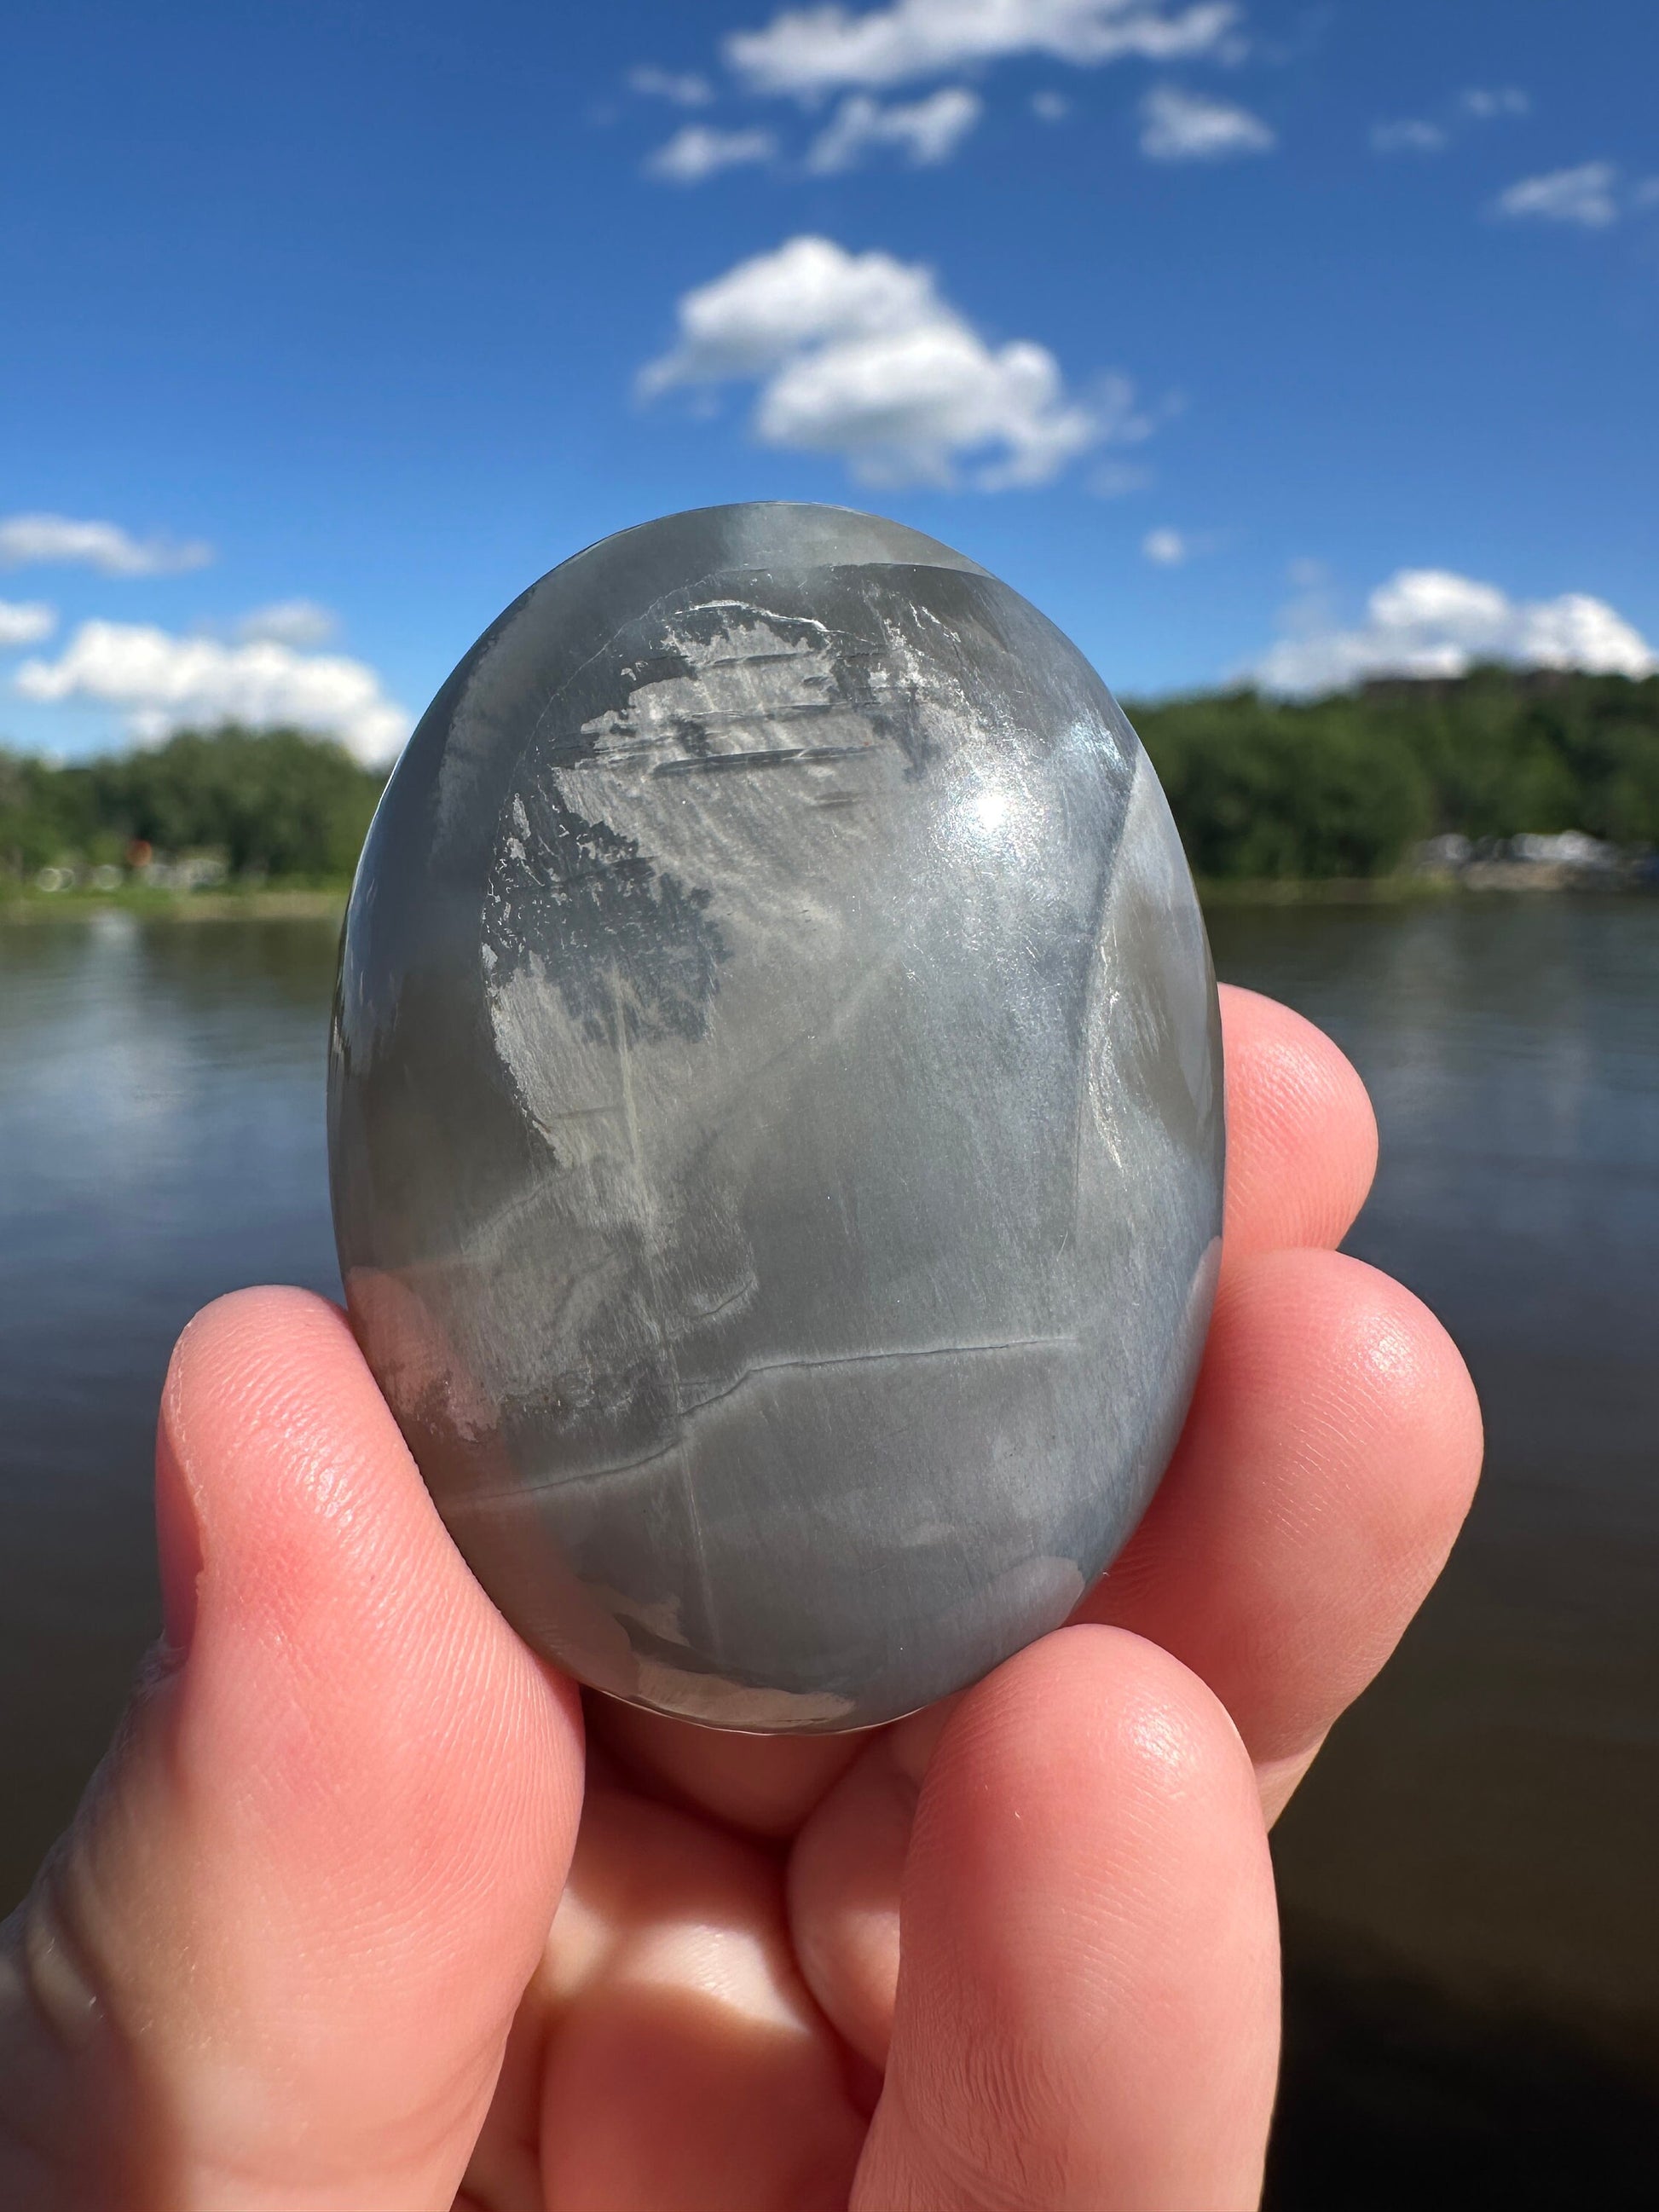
1018 1951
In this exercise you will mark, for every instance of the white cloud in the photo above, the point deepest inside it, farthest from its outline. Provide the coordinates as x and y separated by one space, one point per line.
29 541
928 131
1168 548
1050 106
1488 102
162 682
814 50
1429 621
857 354
1413 136
25 622
1184 126
1583 196
684 90
808 291
298 623
698 151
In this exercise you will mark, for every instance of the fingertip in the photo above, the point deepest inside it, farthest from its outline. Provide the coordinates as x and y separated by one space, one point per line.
1326 1465
236 1360
1389 1410
1086 2008
310 1565
1090 1811
1301 1139
1089 1705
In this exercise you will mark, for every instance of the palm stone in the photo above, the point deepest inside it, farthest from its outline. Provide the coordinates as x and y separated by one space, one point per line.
775 1117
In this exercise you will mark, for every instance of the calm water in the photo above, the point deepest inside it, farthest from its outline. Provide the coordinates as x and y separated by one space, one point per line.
1472 1920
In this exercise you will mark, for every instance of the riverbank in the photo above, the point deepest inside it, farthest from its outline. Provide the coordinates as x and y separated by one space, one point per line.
327 902
231 902
1420 887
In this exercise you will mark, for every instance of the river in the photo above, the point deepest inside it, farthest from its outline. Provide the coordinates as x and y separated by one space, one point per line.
1472 1916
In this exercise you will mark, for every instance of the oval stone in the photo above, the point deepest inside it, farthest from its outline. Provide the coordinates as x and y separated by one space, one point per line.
775 1117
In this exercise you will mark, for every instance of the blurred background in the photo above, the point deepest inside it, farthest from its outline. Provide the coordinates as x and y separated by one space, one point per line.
1298 361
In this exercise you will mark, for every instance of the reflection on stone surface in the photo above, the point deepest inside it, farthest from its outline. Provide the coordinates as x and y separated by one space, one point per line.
775 1117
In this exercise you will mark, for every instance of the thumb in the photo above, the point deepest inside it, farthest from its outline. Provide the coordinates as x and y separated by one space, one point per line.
272 1966
1087 2009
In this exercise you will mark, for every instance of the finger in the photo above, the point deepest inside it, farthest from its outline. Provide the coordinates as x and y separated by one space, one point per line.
1326 1466
303 1895
1300 1151
845 1873
1301 1135
764 1784
686 2067
1087 2014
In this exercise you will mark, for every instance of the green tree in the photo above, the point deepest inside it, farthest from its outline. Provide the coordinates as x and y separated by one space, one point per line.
277 803
1342 786
47 814
1262 789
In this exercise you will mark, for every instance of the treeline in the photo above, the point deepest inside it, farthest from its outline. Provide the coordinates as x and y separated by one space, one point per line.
273 803
1345 785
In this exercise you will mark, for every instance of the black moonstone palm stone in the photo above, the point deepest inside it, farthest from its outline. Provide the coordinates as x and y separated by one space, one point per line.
775 1117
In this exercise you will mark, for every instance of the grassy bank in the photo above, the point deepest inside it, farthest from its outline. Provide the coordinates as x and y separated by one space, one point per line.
233 902
326 902
1404 888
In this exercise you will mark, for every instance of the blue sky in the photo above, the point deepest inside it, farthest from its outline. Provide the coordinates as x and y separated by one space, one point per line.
1310 340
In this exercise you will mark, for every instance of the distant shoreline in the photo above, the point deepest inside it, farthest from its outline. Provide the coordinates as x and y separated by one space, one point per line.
1411 886
327 903
268 902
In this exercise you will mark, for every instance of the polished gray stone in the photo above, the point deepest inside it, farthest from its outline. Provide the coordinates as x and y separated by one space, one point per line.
775 1116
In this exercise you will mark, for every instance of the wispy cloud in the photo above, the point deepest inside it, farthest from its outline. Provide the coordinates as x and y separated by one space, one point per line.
1420 134
684 89
858 354
1118 479
1431 622
1173 548
1165 548
1489 103
160 682
29 541
698 151
26 622
1412 135
300 623
1185 126
808 51
927 131
1585 197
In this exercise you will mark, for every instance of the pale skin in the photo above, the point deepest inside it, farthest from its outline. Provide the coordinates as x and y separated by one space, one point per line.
1018 1952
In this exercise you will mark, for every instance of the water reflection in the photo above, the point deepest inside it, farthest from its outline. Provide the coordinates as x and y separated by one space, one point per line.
1481 1827
161 1135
